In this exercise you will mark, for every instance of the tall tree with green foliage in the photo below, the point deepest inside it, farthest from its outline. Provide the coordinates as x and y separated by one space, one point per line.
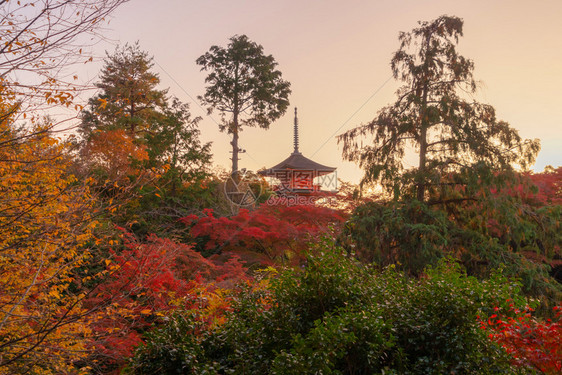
434 115
116 121
244 86
458 201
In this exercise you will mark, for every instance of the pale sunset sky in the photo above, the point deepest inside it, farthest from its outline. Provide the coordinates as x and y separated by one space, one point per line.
336 54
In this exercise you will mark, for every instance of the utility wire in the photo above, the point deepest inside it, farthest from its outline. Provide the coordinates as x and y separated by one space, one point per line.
185 91
354 113
195 101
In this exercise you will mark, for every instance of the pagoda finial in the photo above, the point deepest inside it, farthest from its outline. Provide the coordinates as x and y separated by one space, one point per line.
296 136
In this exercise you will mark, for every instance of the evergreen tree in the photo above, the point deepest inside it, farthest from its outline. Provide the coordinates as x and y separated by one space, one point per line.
128 98
147 143
459 200
433 116
174 141
244 86
132 114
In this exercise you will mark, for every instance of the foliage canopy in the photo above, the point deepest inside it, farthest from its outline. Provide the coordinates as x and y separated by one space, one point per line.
433 114
135 138
336 317
244 86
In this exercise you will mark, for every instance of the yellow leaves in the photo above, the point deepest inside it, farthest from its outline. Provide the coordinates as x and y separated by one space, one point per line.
115 151
58 97
269 270
146 312
45 221
114 267
54 293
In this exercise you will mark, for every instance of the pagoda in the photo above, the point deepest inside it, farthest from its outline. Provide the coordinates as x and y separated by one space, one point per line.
296 174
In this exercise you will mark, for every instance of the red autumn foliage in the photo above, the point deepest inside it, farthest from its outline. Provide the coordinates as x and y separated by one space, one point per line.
549 184
267 235
146 281
536 189
533 343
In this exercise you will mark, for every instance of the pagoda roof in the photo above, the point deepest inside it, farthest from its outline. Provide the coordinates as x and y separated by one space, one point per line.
297 162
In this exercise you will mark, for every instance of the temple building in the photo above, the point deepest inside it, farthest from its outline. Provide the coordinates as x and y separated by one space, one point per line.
296 175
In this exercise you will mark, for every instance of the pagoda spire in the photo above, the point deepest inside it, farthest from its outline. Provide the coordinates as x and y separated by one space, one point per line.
296 135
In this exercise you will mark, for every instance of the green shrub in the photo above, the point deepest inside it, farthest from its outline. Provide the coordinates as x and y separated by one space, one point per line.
335 316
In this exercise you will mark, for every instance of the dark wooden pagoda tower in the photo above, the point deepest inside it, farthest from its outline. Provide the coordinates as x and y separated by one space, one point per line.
296 174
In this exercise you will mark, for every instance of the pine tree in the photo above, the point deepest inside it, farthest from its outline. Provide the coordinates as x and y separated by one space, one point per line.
133 124
433 116
129 98
458 201
142 146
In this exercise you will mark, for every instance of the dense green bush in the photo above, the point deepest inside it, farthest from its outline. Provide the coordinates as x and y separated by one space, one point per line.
498 231
334 316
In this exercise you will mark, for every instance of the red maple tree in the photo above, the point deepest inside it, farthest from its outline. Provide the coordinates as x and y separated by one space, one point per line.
268 235
146 281
533 343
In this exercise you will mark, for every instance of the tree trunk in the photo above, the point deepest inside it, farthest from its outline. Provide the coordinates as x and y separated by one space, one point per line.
421 168
132 114
235 113
424 125
234 143
423 146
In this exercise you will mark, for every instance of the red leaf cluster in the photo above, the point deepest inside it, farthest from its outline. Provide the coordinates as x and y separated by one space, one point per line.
267 235
536 189
533 343
549 184
146 281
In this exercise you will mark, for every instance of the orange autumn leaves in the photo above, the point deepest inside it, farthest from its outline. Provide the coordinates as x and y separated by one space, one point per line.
116 153
45 220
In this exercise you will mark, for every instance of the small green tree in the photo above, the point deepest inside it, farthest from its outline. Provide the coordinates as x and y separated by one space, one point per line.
244 86
434 116
174 141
